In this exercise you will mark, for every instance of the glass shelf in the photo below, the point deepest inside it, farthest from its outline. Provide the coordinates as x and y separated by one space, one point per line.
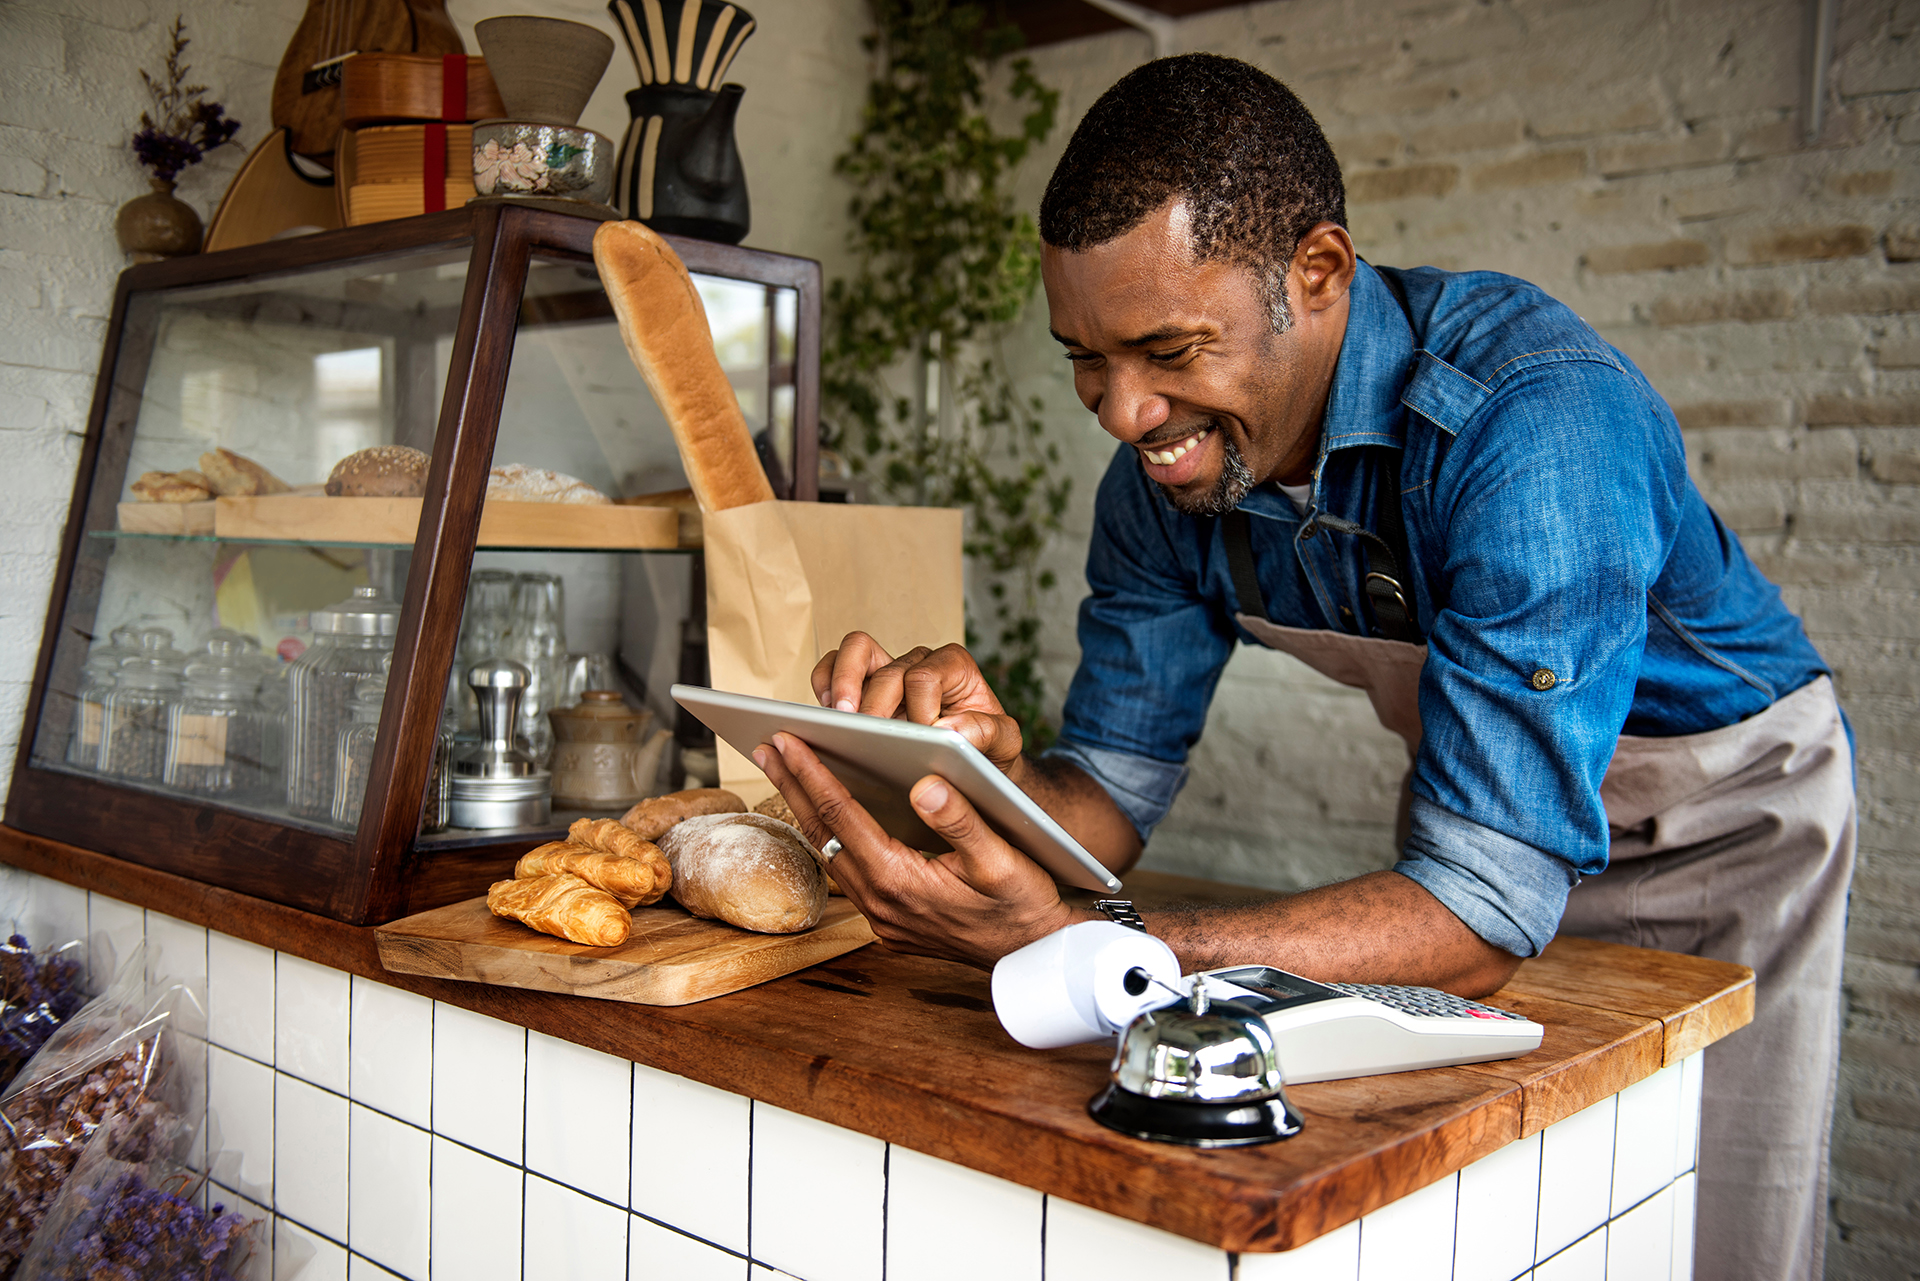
133 536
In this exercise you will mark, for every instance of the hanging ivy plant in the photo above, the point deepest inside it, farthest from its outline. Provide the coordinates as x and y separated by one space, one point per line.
946 264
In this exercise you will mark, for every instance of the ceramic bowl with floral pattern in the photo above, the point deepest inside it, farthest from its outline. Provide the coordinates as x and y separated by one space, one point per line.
526 158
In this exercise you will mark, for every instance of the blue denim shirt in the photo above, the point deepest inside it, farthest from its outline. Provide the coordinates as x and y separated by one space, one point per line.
1551 524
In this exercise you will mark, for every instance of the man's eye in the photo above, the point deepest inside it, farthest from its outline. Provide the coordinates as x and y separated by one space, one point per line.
1083 357
1168 357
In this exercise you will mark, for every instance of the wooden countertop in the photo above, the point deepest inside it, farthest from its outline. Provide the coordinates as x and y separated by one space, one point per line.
908 1050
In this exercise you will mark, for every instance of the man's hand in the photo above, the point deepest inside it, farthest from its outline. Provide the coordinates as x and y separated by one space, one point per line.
973 904
941 687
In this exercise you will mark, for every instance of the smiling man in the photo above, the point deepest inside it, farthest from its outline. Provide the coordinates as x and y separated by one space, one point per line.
1447 490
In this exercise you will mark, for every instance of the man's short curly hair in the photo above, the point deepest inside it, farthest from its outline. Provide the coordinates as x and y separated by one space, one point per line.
1243 153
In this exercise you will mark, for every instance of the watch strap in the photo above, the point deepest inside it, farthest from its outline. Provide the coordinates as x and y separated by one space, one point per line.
1120 911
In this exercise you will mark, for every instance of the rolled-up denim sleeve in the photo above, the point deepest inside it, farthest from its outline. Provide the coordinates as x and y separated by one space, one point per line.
1142 787
1510 893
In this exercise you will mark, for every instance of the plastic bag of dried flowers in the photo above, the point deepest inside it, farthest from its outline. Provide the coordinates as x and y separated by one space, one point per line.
37 994
131 1212
112 1058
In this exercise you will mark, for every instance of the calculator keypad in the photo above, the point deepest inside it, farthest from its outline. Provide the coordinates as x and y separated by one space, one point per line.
1424 1002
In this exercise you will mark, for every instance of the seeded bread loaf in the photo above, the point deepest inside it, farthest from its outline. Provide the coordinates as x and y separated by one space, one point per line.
665 329
385 471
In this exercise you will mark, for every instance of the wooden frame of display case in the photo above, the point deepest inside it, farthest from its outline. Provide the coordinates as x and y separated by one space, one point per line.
381 872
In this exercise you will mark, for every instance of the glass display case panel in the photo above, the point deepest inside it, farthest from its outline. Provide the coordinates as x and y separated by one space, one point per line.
575 412
179 633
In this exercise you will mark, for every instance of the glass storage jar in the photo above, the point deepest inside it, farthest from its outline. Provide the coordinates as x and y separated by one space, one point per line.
133 735
483 635
96 682
538 641
355 766
355 752
349 641
216 732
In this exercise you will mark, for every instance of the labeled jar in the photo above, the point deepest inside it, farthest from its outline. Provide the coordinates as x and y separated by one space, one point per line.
133 735
355 753
216 733
349 641
90 700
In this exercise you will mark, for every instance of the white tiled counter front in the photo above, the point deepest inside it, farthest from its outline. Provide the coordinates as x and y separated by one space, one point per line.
392 1135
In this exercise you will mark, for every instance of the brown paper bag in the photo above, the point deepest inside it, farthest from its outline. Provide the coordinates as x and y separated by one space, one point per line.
785 581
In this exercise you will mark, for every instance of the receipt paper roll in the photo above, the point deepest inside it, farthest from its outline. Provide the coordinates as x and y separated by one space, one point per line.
1071 986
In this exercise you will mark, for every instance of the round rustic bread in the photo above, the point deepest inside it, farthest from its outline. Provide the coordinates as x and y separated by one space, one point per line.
747 870
385 471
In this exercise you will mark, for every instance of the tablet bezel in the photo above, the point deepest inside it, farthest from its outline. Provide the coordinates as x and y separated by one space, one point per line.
879 760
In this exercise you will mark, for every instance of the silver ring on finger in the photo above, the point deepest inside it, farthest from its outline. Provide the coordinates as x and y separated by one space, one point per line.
831 848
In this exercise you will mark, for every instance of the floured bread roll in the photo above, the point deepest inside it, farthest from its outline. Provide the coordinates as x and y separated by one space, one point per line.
635 882
651 818
665 328
519 483
776 806
747 870
563 905
237 476
385 471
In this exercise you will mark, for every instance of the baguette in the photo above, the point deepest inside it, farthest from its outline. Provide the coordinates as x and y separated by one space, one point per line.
747 870
634 882
565 906
653 817
665 329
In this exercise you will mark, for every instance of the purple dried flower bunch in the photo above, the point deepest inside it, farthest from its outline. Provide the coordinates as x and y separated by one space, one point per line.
182 127
129 1231
37 995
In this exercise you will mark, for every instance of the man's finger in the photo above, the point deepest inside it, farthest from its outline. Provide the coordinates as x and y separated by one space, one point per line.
981 857
840 676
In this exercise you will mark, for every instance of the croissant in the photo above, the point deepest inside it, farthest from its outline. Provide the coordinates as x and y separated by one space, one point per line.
636 882
611 837
563 905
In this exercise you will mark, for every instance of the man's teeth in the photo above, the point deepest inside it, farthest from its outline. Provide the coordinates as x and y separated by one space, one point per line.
1167 457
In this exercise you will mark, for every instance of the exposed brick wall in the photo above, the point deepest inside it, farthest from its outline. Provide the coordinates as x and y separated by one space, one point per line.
1643 161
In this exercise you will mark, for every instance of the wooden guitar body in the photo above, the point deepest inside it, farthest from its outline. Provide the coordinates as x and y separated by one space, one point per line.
306 90
269 196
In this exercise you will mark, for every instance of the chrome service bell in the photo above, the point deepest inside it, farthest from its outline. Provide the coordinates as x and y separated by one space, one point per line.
1204 1074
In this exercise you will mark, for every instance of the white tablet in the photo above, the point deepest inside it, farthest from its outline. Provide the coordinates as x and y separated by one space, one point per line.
878 761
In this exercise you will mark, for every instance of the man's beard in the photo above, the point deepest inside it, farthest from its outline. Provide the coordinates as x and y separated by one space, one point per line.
1235 482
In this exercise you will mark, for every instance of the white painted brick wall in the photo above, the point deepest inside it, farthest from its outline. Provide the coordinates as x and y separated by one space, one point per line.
1643 161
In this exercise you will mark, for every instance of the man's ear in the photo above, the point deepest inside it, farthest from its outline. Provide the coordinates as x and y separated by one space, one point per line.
1323 264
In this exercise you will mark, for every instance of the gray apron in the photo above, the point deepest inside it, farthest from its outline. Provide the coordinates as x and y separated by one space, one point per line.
1735 844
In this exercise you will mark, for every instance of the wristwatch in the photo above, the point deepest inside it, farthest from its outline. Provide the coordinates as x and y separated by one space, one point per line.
1120 912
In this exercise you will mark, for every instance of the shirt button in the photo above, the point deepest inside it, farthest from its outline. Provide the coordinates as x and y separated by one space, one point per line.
1543 679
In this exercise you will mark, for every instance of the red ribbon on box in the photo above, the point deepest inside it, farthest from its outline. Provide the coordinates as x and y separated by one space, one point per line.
453 109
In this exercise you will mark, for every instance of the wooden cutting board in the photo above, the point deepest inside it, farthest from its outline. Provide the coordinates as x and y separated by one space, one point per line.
360 521
672 958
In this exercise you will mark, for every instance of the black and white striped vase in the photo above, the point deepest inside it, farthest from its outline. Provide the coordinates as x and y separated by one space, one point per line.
679 169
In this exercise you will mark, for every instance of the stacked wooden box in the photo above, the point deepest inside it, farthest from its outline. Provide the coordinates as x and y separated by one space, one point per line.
407 147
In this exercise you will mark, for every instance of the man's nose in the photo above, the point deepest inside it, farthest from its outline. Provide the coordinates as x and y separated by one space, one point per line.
1129 406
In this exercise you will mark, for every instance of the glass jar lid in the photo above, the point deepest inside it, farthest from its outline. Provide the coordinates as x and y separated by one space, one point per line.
223 671
147 674
366 613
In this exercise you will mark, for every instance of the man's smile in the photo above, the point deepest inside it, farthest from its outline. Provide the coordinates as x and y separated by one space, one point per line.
1178 461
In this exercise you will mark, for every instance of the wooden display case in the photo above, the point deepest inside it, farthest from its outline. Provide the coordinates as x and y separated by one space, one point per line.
448 322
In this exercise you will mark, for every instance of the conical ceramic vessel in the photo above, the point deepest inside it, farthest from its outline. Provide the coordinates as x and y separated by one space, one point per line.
545 68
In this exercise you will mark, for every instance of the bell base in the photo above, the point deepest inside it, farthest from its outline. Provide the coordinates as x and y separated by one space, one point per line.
1195 1125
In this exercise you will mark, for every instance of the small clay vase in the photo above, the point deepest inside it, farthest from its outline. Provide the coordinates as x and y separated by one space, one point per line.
602 756
545 68
157 225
